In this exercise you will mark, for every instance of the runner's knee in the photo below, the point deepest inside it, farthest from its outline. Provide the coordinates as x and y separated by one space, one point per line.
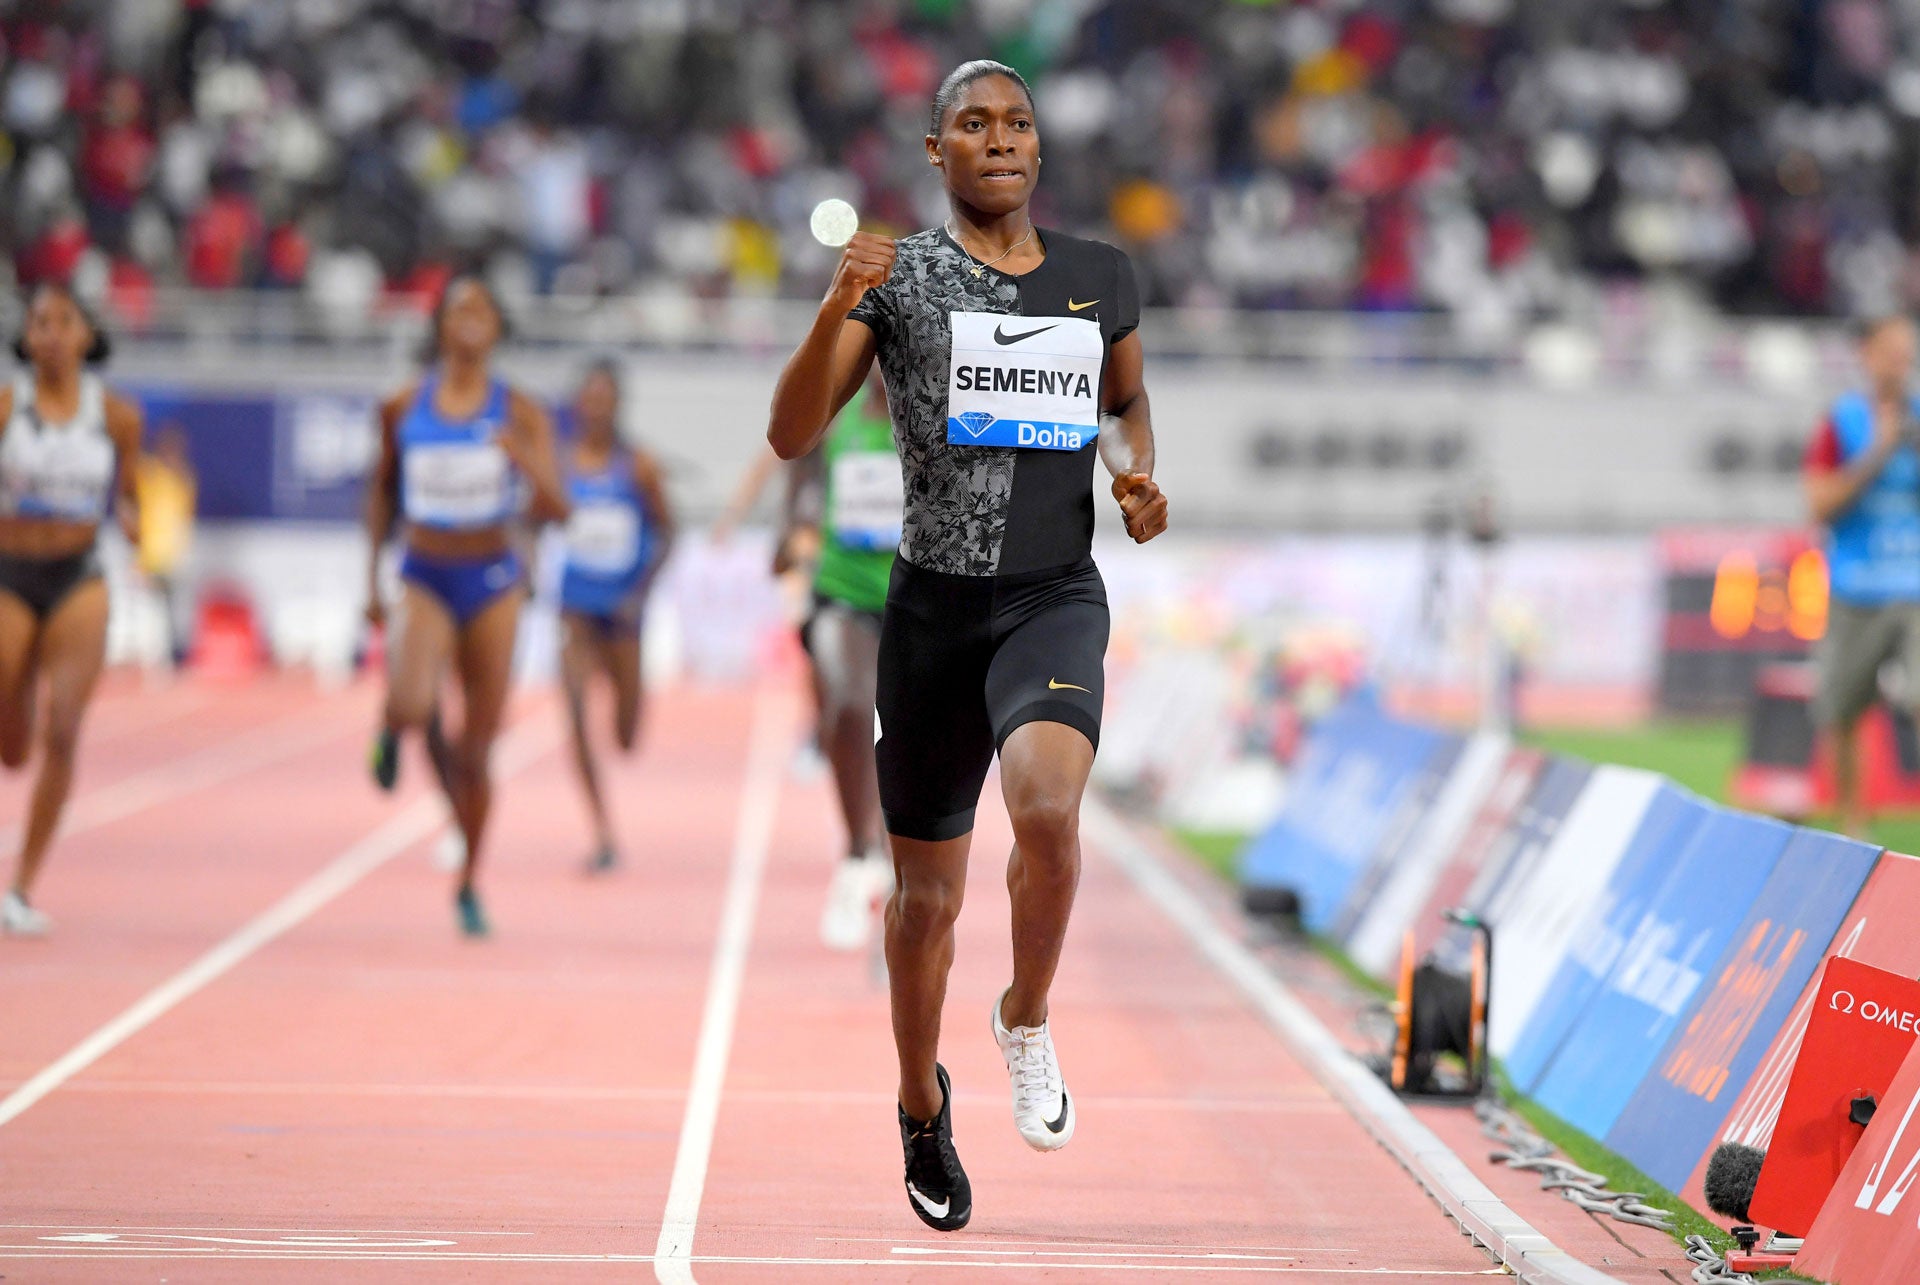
408 712
1044 821
927 905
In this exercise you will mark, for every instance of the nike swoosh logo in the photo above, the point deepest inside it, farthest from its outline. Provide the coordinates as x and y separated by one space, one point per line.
937 1210
1000 335
1055 685
1059 1122
1080 307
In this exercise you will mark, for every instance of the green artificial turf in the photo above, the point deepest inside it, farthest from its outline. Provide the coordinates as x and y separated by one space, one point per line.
1702 756
1622 1174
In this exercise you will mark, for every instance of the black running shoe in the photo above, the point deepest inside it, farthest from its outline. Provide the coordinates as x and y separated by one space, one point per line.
385 759
937 1186
604 860
473 920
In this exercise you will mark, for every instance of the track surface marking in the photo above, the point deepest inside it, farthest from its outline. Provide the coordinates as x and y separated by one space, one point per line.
361 1095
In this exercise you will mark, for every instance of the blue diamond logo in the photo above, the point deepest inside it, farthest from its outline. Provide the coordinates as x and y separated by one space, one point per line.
976 422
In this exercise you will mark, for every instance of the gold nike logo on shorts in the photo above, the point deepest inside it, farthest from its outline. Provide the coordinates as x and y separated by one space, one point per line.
1080 307
1055 685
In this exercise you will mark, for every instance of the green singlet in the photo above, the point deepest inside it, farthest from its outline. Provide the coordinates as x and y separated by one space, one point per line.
860 525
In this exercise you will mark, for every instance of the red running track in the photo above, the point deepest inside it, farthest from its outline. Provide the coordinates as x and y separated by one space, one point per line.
256 1049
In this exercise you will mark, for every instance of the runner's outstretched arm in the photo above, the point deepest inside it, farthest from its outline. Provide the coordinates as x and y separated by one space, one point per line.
528 442
382 506
1126 441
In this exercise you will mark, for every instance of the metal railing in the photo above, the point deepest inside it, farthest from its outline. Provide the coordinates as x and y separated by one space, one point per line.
210 324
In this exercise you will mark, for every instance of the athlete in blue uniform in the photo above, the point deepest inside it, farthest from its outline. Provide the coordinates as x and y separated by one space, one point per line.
454 448
617 538
67 448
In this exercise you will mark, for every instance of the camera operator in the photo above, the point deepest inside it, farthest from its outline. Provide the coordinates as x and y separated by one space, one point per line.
1863 485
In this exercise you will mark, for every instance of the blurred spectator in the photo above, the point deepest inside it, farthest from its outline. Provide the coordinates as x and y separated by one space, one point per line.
1487 158
166 492
1863 487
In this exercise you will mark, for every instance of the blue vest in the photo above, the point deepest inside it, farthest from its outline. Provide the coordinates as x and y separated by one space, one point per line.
1873 546
610 535
454 474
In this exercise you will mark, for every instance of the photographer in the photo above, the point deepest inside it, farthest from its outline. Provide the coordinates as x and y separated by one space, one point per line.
1863 486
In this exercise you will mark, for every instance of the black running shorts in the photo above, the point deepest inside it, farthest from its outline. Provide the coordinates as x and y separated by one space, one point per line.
964 661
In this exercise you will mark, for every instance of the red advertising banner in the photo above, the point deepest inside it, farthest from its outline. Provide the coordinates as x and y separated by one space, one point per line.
1863 1027
1868 1231
1878 931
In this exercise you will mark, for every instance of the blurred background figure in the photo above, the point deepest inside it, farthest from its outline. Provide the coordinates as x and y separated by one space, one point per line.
843 517
619 534
167 491
456 448
1603 262
1863 488
67 450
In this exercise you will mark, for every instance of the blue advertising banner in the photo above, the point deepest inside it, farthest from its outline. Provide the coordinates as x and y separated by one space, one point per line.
324 445
1592 949
230 441
1660 961
1400 834
1676 1114
1357 768
300 455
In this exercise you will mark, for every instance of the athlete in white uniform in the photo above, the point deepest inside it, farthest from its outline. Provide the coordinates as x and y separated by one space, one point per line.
66 465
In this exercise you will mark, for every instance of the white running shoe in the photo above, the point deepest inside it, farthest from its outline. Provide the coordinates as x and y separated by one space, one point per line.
1042 1110
846 921
880 872
21 920
450 849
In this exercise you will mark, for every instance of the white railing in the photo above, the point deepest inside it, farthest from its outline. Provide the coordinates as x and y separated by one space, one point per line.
1771 353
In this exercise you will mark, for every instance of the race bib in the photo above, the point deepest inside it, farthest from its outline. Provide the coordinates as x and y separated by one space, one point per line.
62 475
1024 381
867 500
603 539
457 484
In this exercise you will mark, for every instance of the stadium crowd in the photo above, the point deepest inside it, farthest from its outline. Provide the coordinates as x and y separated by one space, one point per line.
1487 158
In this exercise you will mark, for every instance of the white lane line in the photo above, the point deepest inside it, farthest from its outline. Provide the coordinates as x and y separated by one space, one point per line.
1319 1103
1455 1187
767 748
148 714
256 747
117 1230
841 1264
1209 1255
518 749
1140 1249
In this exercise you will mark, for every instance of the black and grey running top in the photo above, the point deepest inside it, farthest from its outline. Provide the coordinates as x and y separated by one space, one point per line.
996 419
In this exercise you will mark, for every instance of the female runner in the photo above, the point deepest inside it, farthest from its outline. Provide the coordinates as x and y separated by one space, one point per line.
66 462
452 448
618 536
1010 360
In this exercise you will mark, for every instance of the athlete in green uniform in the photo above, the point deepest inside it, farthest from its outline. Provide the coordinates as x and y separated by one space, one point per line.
849 489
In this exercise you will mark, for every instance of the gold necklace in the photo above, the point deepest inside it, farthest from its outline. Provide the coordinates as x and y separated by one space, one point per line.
979 268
